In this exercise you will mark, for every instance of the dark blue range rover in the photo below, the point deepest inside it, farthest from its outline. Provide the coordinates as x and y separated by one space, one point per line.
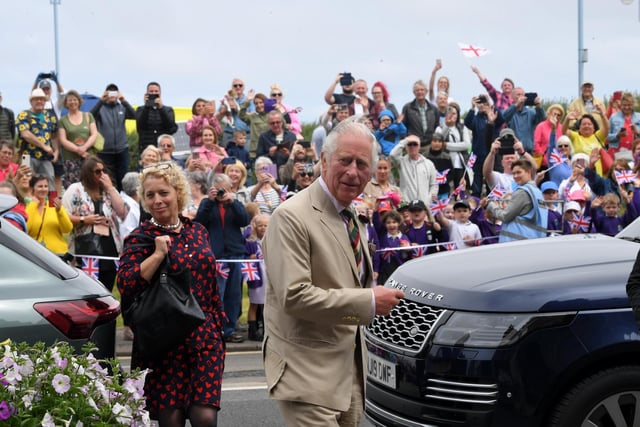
533 333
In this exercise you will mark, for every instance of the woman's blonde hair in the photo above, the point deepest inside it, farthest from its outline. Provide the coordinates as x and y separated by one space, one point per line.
172 175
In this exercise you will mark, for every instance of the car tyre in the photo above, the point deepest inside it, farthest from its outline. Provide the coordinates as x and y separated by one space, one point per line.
608 398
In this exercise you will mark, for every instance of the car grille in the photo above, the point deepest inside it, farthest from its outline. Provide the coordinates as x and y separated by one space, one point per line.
464 393
407 327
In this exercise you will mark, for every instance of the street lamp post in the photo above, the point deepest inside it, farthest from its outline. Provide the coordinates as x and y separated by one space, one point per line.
582 52
55 4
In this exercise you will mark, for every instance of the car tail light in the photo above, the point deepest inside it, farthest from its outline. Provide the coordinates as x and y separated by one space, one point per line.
77 319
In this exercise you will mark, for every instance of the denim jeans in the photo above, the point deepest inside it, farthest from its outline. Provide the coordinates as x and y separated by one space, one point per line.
230 290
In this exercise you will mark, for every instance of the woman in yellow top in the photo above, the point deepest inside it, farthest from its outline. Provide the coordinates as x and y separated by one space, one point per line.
48 220
589 135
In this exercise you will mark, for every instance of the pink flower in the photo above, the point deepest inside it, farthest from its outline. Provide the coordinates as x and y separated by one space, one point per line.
61 383
5 411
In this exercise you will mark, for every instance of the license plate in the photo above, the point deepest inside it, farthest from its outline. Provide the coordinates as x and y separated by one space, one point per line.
381 370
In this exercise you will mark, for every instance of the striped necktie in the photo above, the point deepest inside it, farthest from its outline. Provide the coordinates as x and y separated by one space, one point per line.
354 235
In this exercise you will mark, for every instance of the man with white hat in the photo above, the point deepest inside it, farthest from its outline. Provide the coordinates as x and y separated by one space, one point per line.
586 103
38 135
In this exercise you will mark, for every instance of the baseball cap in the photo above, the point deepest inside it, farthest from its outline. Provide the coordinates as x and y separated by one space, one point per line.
44 84
417 205
112 86
549 185
572 206
506 131
587 82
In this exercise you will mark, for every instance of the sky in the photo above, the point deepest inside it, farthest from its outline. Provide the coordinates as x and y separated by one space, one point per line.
195 48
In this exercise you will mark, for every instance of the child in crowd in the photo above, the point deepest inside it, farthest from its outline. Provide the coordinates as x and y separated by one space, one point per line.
605 215
423 230
575 221
253 209
462 232
237 148
365 212
550 195
403 209
438 154
389 132
391 238
253 247
489 226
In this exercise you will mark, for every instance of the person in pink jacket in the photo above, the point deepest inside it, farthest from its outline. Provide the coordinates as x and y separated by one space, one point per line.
204 114
547 133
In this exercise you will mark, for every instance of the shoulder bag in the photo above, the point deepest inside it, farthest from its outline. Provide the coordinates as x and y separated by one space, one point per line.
166 313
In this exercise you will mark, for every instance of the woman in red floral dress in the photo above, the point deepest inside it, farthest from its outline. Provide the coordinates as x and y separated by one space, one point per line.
185 382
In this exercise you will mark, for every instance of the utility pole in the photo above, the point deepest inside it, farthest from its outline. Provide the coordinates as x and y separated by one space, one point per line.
55 4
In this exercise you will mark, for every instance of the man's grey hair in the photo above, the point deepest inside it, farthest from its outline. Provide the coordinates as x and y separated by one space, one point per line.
130 183
166 135
200 179
219 178
352 126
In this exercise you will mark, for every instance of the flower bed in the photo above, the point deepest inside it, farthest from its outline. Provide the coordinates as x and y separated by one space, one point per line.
52 386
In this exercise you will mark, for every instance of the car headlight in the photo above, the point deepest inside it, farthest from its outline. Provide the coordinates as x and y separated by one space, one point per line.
492 330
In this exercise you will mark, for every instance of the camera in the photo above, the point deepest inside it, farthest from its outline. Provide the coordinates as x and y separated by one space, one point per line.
220 192
482 99
530 98
506 145
305 144
346 79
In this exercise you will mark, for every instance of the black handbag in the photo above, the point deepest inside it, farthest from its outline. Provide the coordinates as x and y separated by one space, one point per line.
165 314
88 244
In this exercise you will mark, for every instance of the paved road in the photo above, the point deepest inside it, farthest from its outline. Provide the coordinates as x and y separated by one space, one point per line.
244 393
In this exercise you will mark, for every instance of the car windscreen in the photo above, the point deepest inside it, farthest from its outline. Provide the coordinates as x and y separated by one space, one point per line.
631 231
21 243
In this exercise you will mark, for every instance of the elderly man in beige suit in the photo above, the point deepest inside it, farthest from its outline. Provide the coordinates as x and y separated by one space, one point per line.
320 292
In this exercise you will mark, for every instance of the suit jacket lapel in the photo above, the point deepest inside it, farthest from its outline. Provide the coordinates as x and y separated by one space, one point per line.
335 225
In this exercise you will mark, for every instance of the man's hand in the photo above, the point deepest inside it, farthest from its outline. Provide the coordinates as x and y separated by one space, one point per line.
386 299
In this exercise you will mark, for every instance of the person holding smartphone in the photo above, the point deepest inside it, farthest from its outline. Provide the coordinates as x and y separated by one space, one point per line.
153 118
47 220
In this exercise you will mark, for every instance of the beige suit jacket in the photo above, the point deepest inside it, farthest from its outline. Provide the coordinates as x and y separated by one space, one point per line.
314 302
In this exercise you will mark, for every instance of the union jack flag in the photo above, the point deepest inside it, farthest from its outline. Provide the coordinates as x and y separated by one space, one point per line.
249 271
222 268
625 176
451 246
472 160
418 252
283 192
358 199
458 190
555 157
498 192
438 206
386 255
91 266
441 177
581 223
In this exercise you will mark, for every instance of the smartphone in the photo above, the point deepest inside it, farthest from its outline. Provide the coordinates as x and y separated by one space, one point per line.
26 160
229 161
617 96
195 156
112 93
305 144
580 162
151 100
530 98
506 145
346 79
53 195
271 170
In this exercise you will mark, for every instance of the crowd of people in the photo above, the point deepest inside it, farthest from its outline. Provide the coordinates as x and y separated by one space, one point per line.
445 179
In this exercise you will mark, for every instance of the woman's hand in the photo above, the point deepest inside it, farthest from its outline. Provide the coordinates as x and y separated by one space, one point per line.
162 245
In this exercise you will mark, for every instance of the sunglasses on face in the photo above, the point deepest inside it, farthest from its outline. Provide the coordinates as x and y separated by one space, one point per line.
275 123
305 174
412 144
276 94
563 146
238 85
